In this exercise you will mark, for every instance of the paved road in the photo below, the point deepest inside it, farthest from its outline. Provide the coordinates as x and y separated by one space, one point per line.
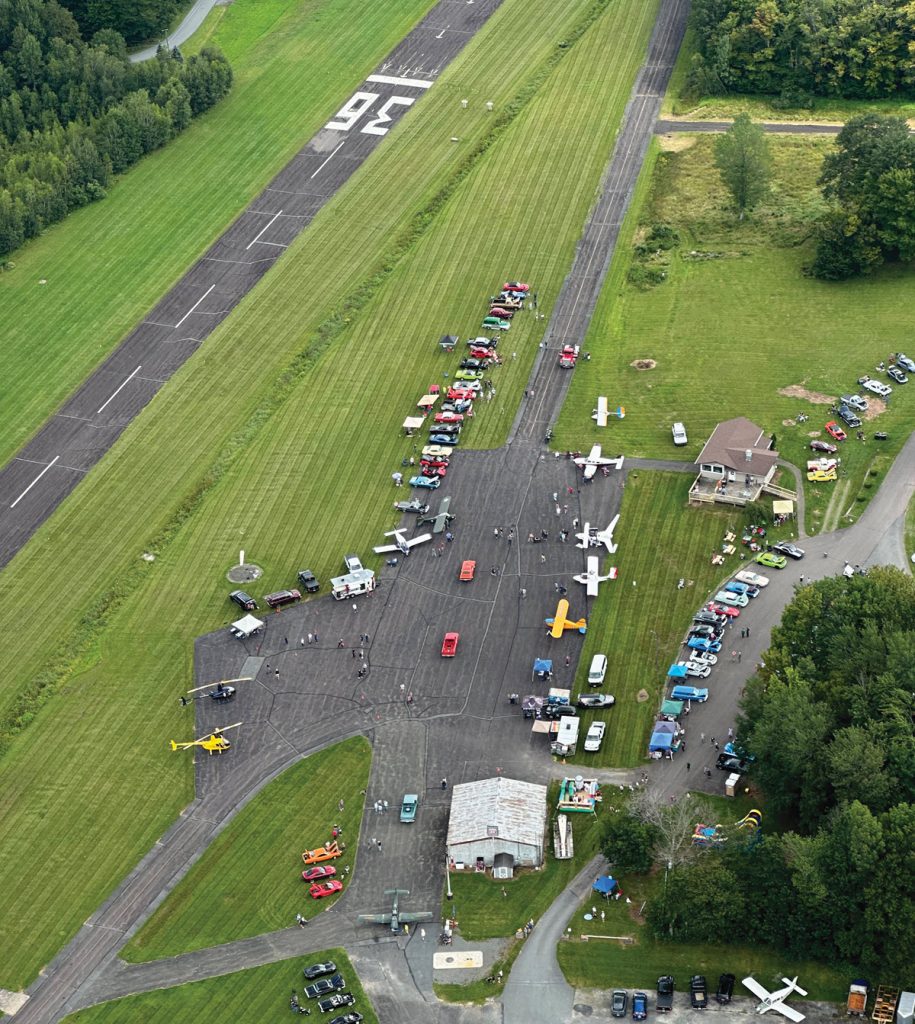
51 464
189 25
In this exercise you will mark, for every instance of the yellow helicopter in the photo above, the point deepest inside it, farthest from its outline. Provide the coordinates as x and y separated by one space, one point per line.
214 743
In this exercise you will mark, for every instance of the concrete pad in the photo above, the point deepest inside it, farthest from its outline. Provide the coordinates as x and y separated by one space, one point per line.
459 960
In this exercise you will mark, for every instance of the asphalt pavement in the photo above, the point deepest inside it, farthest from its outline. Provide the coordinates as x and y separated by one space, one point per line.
189 25
52 463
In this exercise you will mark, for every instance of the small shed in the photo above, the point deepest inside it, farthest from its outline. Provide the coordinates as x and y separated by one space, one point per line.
447 342
497 823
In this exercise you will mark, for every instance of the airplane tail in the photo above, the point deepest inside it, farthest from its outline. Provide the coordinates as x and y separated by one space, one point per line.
794 985
397 892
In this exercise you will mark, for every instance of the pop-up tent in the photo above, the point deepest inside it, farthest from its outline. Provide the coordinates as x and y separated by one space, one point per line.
543 668
672 708
412 423
605 885
245 627
677 671
663 737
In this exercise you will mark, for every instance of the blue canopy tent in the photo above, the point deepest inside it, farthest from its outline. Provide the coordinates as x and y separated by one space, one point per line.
543 668
677 671
663 738
605 885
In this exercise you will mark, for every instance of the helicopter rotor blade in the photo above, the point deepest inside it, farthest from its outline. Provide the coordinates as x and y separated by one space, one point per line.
222 682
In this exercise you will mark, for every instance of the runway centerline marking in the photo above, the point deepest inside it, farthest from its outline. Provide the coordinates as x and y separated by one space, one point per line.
117 390
328 160
196 304
416 83
35 481
262 230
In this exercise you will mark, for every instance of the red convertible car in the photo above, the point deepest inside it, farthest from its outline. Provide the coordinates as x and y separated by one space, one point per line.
321 889
315 874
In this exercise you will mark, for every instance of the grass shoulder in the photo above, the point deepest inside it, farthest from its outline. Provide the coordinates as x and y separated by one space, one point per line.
249 880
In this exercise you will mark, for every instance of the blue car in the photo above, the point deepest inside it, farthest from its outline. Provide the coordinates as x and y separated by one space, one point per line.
698 643
430 482
741 588
639 1006
689 693
451 439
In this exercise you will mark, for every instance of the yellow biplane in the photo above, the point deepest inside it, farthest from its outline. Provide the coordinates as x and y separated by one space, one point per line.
559 623
214 743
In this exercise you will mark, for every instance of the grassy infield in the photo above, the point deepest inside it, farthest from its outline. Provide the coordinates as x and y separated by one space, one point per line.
665 323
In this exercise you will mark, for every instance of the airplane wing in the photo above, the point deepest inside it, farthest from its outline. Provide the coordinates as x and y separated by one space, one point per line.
420 915
788 1012
754 986
421 539
376 918
381 549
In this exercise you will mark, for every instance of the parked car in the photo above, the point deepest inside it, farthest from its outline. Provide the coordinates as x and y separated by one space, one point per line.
280 597
772 560
694 670
468 569
309 581
415 505
834 430
430 482
709 632
854 402
821 476
315 874
736 587
324 986
353 1017
551 712
408 807
725 989
698 643
875 386
703 658
732 763
468 375
501 311
727 597
784 547
444 439
698 992
894 373
446 428
336 1001
903 360
321 889
595 736
619 1002
679 434
824 446
726 611
851 420
433 471
496 323
243 600
430 451
692 693
705 616
450 645
318 970
474 363
639 1006
753 578
595 700
598 670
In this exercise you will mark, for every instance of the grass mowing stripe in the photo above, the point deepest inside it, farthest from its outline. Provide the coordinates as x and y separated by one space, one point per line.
106 733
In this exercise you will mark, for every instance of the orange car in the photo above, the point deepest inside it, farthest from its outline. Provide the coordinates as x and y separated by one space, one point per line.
326 852
468 569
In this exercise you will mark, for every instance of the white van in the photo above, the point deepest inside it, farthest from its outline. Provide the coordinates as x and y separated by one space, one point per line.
598 670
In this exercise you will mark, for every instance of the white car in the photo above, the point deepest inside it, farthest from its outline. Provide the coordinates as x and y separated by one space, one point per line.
679 432
753 578
598 670
595 736
703 657
876 386
695 670
735 600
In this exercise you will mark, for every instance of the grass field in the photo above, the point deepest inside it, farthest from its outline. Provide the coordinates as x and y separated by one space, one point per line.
648 621
248 442
108 263
736 322
246 997
249 880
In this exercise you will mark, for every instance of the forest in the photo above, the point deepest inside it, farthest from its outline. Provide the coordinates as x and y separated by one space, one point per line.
75 113
138 21
800 49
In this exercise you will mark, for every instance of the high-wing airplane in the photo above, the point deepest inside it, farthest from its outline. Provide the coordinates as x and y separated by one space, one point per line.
590 462
590 538
559 623
600 413
592 579
401 543
775 1000
441 519
395 919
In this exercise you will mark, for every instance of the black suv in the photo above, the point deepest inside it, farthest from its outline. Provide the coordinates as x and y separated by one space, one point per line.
725 988
698 992
732 763
243 600
551 711
309 581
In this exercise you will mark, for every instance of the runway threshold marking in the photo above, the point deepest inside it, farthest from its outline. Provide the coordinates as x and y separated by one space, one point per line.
35 481
416 83
114 394
262 230
328 160
196 304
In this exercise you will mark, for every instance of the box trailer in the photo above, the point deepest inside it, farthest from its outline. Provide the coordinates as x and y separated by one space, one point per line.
857 999
362 581
566 736
905 1009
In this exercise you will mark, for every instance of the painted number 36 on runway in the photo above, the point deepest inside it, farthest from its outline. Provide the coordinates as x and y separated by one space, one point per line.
360 103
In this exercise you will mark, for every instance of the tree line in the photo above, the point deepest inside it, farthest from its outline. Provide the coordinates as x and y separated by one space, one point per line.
857 49
830 721
136 20
72 113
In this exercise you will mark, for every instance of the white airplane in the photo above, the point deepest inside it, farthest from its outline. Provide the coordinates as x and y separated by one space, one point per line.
775 1000
590 462
601 412
592 579
594 538
401 543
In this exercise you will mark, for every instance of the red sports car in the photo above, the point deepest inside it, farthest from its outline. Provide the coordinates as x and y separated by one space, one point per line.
449 645
501 311
823 446
834 430
321 889
723 609
318 872
449 417
461 394
515 286
435 463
